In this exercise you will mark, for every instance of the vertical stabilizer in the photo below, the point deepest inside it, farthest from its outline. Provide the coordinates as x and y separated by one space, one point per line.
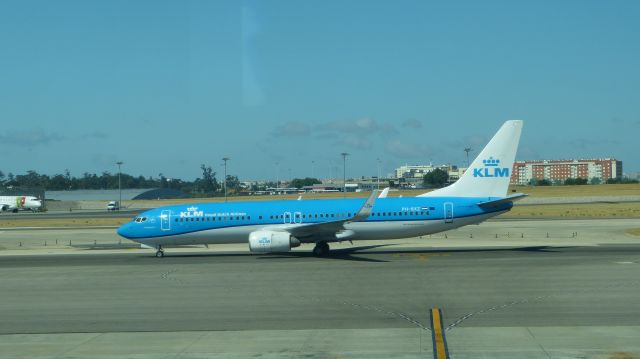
490 172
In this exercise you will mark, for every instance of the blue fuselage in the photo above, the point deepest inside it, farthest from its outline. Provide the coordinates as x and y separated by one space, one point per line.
209 223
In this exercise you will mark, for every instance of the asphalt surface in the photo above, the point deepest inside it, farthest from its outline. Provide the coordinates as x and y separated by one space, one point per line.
533 289
526 286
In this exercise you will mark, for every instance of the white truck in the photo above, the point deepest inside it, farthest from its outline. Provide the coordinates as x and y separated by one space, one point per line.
113 206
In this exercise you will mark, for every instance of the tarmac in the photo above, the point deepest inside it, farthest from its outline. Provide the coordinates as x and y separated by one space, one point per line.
507 289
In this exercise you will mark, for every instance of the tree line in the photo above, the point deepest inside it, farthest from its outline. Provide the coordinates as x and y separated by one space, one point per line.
206 185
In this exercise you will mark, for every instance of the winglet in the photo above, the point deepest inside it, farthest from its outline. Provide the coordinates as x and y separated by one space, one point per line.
366 208
384 193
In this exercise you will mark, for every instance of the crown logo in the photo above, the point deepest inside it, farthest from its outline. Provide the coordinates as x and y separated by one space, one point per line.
491 162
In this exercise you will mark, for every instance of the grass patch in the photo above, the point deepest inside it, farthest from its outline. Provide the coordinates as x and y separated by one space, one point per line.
532 191
587 210
632 189
633 231
63 222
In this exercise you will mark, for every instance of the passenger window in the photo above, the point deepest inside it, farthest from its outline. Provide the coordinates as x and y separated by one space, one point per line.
331 215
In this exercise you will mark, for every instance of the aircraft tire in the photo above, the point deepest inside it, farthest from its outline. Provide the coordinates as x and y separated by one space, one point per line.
321 249
159 254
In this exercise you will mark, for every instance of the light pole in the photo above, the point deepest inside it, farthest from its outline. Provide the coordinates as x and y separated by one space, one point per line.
467 150
312 163
277 176
378 173
225 159
119 163
344 174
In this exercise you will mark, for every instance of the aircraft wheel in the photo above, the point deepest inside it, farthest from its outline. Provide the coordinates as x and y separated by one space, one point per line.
321 249
160 254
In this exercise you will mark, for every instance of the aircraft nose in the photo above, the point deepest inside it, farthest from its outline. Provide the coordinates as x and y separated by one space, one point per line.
124 230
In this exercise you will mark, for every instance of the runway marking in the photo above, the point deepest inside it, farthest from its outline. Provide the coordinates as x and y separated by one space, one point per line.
536 299
440 350
382 310
422 257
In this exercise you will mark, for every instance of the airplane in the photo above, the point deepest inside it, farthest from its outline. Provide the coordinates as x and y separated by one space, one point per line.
15 203
279 226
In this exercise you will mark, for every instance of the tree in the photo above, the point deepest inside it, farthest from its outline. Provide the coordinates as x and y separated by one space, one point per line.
596 180
575 181
544 182
233 184
209 184
436 178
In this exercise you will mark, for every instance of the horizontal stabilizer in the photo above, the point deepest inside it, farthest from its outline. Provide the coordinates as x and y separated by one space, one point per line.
498 202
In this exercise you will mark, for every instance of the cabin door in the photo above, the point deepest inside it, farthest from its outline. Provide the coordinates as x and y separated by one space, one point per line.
448 212
165 220
286 217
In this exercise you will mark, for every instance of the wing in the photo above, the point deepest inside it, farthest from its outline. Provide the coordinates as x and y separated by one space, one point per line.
329 231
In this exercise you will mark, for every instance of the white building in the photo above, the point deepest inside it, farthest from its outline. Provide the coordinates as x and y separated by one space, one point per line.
418 171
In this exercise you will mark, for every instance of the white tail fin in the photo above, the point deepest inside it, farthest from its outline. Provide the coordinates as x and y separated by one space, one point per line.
490 172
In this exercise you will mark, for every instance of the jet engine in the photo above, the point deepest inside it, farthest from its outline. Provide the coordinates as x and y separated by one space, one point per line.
270 241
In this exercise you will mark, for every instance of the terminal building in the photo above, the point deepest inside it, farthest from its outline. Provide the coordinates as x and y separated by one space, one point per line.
560 170
418 171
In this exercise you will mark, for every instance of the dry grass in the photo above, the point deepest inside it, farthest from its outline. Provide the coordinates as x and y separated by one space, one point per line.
590 210
532 191
633 231
580 191
587 210
63 222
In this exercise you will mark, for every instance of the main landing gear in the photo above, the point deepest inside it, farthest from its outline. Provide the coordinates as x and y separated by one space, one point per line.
321 249
159 252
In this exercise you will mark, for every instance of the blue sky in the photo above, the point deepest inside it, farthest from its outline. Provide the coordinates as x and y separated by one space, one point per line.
283 87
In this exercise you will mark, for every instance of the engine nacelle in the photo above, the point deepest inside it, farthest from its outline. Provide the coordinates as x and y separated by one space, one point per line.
269 241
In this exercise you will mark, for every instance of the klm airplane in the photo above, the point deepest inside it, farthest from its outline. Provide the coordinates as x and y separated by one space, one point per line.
278 226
